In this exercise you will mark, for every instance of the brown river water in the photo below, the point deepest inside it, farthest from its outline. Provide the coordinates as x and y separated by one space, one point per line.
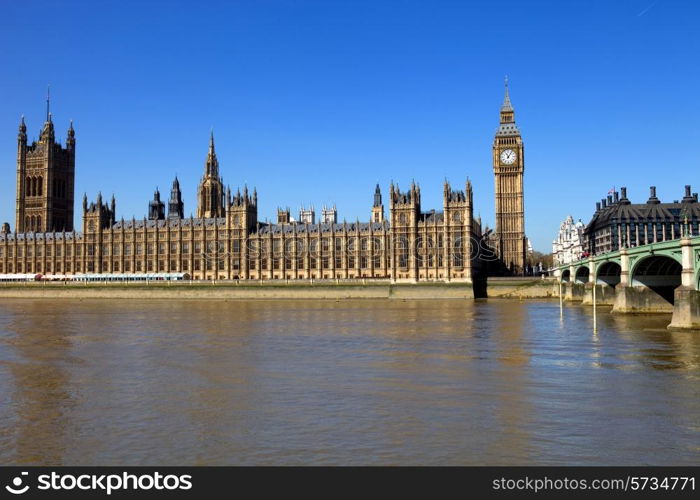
499 382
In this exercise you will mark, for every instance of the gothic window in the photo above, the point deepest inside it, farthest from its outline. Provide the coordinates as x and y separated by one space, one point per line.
363 244
402 219
91 226
40 187
456 217
185 248
236 246
458 255
173 248
38 223
313 248
28 186
402 251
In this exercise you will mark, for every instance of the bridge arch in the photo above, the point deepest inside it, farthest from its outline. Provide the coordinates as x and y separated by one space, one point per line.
608 273
660 273
582 275
565 276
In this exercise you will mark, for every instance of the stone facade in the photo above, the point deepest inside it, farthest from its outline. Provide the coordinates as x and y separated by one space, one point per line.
227 241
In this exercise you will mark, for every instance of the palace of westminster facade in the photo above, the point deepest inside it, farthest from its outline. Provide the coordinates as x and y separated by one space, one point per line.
225 240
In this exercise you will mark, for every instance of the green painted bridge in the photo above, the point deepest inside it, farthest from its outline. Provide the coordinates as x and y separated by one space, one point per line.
653 278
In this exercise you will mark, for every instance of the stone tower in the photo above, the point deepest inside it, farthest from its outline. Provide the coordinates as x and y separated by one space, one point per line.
176 208
404 213
508 169
377 206
210 194
45 180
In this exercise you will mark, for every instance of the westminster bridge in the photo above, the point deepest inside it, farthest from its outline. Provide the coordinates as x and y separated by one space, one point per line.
653 278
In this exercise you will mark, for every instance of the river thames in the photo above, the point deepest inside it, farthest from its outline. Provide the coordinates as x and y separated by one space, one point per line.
433 382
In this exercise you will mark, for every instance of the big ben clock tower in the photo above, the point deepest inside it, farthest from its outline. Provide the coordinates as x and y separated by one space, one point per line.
508 168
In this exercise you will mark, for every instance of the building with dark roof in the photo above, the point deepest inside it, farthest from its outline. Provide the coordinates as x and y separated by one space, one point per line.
619 223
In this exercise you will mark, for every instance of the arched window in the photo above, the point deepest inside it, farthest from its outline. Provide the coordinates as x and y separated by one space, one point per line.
402 251
38 223
28 186
40 187
27 223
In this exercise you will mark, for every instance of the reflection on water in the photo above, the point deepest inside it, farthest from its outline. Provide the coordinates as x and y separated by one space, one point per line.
350 382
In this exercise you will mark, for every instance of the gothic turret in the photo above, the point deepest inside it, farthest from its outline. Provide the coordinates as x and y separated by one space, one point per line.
377 207
156 208
176 208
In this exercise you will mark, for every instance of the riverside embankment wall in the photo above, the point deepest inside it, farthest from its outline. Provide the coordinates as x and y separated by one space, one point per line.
233 292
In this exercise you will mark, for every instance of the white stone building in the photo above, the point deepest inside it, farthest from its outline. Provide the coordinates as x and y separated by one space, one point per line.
568 246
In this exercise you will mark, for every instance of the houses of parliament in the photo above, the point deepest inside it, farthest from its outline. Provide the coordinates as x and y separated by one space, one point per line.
225 240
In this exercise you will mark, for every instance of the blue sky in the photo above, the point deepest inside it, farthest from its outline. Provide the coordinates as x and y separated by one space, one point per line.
314 102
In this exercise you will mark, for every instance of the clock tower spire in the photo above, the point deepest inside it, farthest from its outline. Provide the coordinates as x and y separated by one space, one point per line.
508 169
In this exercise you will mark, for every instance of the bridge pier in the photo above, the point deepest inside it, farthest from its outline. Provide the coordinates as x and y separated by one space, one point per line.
605 295
573 292
639 299
686 299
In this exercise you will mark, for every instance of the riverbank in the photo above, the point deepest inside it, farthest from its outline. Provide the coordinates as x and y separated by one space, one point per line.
522 288
238 290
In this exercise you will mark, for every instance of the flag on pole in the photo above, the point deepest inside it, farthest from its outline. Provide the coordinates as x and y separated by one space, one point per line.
612 191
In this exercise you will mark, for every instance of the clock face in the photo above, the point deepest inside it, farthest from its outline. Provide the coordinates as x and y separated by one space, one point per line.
508 156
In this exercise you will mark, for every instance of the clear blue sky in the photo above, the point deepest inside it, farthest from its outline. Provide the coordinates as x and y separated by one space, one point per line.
316 101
